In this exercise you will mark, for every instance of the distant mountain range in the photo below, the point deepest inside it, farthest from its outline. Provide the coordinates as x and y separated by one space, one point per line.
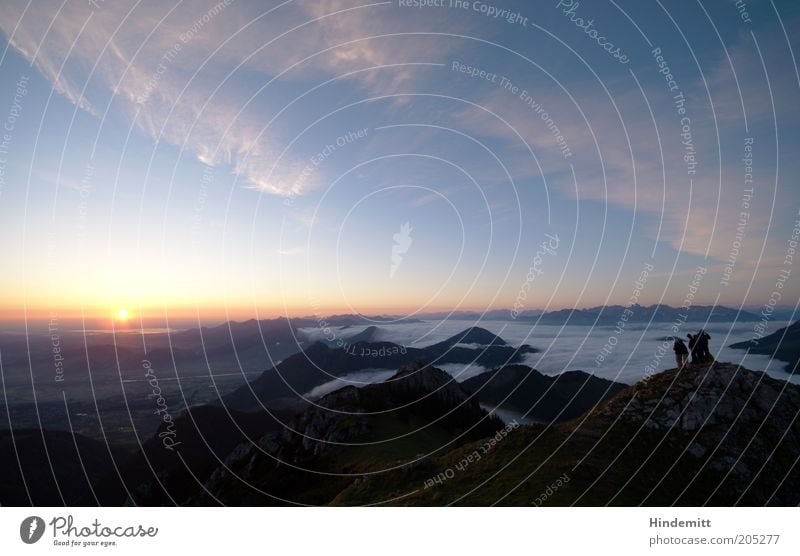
257 344
606 315
712 434
611 314
300 373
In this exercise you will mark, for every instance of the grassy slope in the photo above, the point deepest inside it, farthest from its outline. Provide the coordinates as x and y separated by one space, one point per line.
607 461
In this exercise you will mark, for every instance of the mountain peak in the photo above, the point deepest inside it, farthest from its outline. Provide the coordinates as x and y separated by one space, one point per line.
476 335
707 397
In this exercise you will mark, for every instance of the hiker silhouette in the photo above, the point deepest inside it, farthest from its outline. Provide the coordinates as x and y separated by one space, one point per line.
693 349
681 353
703 353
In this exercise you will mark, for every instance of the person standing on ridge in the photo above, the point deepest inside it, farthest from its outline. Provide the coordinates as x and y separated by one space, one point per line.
681 353
693 348
702 346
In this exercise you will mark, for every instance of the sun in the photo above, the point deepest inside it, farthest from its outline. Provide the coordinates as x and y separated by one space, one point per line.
122 315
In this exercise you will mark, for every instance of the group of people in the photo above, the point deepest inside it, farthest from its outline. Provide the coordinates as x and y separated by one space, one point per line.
698 349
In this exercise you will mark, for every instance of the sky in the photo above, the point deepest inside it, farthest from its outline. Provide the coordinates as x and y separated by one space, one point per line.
253 159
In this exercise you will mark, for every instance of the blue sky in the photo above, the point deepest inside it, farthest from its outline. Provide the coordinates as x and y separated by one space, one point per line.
259 157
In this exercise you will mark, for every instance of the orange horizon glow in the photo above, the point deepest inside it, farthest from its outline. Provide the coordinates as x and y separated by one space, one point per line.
137 314
131 316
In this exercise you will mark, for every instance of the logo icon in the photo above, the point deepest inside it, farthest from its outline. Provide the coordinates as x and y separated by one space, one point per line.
31 529
402 241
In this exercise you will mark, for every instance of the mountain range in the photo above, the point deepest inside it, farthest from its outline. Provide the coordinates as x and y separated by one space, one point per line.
715 434
611 314
289 380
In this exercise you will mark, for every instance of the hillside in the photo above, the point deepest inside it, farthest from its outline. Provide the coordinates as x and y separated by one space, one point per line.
783 344
718 435
420 410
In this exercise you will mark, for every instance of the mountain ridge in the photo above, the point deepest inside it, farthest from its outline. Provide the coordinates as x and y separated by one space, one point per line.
783 344
320 363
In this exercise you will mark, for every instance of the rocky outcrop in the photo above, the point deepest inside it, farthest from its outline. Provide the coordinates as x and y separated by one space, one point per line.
740 423
707 397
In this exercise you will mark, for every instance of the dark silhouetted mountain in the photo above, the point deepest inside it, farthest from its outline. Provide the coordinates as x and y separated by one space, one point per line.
544 398
783 344
53 468
298 374
157 476
235 344
351 431
715 435
369 334
474 335
610 315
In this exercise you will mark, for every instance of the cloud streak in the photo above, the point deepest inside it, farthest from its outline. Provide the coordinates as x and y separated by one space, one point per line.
181 73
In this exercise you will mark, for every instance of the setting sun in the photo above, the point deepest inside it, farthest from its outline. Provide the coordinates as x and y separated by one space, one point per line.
122 315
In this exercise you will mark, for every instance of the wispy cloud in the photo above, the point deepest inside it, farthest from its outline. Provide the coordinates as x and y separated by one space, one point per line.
626 157
170 67
290 252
